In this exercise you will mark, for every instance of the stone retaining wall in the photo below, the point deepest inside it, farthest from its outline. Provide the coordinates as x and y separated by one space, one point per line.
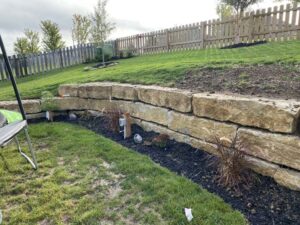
268 127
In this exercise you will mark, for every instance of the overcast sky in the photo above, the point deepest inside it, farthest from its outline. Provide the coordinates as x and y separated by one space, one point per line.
131 16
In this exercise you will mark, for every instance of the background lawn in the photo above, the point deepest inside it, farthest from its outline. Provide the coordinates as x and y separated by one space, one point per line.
162 69
91 179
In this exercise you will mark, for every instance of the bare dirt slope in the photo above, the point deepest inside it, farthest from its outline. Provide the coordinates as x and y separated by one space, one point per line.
278 81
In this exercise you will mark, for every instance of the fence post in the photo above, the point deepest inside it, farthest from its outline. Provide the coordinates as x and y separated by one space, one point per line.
16 66
25 65
117 47
38 63
202 34
251 26
61 59
20 64
138 44
168 39
46 61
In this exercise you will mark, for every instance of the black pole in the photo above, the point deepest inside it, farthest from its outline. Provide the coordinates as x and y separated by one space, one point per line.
12 79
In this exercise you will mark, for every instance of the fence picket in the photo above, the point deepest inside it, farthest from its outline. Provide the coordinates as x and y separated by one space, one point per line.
272 24
287 22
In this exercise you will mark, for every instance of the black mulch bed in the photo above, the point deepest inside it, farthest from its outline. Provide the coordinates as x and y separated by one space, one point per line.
265 203
241 45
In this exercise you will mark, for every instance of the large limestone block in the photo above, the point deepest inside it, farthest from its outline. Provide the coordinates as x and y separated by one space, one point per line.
277 148
149 113
196 143
178 100
260 166
30 106
68 90
136 110
204 129
95 90
124 91
107 106
273 115
288 178
101 105
70 103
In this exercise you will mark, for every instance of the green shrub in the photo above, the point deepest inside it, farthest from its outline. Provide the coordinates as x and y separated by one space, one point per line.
129 54
121 55
130 51
107 55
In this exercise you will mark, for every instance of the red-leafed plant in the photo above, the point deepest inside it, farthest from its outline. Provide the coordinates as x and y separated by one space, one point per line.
230 163
161 140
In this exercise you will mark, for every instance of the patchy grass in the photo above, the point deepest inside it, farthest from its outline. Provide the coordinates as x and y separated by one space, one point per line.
87 179
162 69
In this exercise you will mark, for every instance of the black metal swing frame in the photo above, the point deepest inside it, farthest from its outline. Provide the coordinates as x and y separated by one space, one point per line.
11 131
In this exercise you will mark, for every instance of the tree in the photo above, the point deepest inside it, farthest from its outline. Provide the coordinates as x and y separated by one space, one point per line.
33 40
21 46
292 1
224 11
239 7
28 44
101 25
81 27
52 38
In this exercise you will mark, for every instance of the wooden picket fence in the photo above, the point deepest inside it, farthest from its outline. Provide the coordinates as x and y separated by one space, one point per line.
47 61
272 24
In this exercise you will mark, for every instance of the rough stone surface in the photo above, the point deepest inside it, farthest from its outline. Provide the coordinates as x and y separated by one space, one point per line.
203 145
102 105
208 147
204 129
95 90
68 90
124 91
71 103
149 113
288 178
260 166
137 110
30 106
277 148
178 100
273 115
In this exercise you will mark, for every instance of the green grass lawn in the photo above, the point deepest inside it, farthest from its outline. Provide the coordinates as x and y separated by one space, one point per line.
84 178
163 69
